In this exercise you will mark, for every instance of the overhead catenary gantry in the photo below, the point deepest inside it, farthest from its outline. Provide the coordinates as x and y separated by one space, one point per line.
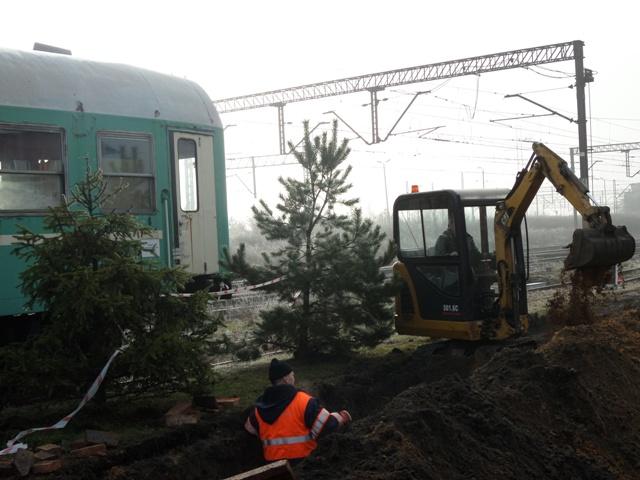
611 147
375 82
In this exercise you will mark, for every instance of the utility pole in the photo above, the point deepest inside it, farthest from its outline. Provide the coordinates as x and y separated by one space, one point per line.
582 116
280 106
253 168
386 194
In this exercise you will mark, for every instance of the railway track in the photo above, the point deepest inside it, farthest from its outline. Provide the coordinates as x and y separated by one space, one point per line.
545 264
239 306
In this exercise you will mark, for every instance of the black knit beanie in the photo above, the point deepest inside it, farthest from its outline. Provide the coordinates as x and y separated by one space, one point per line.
278 369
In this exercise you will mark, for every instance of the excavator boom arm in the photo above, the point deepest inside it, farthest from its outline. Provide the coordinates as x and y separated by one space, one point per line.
600 245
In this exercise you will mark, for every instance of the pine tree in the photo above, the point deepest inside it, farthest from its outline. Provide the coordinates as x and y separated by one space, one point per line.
98 293
334 298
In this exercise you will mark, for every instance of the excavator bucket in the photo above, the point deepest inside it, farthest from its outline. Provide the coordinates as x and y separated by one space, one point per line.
594 247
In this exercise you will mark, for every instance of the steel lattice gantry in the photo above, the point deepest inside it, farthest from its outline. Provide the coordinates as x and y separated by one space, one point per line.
611 147
376 82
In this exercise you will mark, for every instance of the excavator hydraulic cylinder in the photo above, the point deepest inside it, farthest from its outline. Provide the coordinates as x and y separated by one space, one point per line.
600 247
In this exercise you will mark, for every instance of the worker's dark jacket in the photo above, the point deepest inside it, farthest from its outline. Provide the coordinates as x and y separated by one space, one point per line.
288 421
447 244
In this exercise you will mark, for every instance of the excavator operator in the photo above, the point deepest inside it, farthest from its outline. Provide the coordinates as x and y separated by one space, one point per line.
289 421
446 243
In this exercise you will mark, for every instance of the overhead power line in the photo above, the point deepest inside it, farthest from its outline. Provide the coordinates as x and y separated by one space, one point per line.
375 82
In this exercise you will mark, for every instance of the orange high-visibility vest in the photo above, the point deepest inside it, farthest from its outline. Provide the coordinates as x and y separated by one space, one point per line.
288 437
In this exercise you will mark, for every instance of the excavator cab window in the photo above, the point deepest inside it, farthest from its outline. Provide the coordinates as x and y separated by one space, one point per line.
426 233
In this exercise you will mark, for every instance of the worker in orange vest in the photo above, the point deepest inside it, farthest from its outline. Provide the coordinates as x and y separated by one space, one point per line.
287 420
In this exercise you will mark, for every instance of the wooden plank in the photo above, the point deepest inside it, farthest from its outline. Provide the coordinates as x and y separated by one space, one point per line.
280 470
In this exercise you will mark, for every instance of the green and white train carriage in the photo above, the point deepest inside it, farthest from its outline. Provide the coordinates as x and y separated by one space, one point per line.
161 134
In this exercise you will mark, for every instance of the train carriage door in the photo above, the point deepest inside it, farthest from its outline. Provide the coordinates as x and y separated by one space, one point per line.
194 202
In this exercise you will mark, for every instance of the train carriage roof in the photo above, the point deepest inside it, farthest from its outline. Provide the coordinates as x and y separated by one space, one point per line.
61 82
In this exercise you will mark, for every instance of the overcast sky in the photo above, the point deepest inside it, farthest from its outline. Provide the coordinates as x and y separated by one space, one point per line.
243 47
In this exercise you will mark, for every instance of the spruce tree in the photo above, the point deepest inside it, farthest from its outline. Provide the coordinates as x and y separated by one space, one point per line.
98 293
333 297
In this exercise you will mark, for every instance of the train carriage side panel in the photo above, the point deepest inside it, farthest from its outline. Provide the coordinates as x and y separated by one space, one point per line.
119 118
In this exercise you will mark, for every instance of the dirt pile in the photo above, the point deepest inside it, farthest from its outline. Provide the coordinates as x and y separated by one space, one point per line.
568 408
553 407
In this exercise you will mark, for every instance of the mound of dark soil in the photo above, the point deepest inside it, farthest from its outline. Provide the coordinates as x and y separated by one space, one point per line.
569 408
565 407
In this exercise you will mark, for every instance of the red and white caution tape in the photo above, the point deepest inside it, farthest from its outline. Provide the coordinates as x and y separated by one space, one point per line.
232 291
246 288
13 447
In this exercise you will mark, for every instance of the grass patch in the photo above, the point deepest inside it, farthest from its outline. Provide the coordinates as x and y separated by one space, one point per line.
249 380
136 420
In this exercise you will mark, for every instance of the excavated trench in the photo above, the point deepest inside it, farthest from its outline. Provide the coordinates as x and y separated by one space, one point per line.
558 404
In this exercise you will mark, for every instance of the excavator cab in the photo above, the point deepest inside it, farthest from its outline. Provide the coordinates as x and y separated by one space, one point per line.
446 253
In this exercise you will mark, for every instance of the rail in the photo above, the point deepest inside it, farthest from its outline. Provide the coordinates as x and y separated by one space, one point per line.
545 265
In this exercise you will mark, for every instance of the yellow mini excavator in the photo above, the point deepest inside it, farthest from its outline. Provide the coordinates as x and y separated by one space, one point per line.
464 279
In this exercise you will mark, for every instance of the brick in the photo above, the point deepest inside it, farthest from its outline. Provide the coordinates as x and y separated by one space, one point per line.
78 443
182 413
99 450
225 402
50 448
183 419
47 466
110 439
180 408
42 456
23 461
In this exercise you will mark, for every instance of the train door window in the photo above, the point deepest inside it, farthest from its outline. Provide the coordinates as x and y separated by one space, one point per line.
31 169
188 168
127 163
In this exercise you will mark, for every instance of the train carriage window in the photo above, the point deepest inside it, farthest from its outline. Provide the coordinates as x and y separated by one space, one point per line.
126 161
31 169
188 163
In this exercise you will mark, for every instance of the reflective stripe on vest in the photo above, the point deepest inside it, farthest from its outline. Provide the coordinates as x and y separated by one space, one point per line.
287 440
288 437
318 425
